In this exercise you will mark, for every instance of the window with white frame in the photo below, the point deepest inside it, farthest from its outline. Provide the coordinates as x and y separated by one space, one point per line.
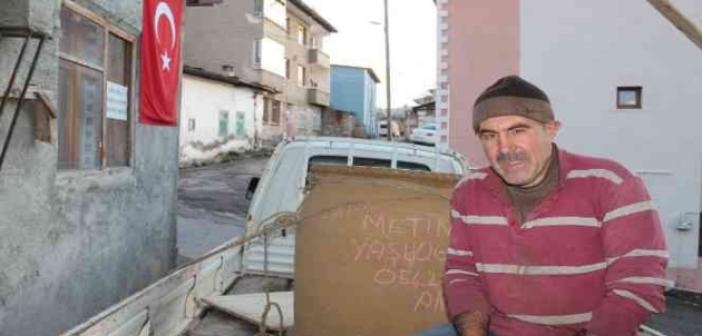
96 63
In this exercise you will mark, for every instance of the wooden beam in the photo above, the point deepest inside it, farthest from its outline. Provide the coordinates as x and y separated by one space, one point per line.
679 20
50 108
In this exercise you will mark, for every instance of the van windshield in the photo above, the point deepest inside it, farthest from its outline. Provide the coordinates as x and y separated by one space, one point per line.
331 160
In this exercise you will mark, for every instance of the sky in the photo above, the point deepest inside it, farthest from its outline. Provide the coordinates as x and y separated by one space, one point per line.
360 41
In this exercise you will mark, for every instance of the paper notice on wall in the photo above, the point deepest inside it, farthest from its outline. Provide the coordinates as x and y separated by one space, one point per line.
117 101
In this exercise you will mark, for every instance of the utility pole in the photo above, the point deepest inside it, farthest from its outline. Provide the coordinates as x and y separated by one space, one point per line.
387 72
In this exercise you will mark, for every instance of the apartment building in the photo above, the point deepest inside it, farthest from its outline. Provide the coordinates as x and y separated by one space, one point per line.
274 43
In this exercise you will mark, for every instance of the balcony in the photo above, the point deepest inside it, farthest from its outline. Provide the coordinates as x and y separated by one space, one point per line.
318 97
317 57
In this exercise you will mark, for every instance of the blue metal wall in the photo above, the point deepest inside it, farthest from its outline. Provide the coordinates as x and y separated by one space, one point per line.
353 90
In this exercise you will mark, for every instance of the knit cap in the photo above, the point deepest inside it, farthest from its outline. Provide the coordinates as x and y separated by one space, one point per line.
512 95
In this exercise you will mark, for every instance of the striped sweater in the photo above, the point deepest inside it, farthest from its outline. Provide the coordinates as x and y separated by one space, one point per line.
591 255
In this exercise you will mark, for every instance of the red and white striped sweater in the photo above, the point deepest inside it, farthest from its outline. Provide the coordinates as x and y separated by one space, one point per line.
590 255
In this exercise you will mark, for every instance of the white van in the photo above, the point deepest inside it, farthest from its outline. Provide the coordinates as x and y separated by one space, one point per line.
281 186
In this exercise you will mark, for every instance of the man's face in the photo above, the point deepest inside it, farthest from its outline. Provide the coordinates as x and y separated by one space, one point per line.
518 148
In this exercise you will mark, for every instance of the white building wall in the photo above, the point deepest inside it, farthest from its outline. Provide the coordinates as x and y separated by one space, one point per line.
579 52
202 100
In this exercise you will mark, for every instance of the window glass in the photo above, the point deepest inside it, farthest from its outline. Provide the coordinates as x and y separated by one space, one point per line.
223 124
80 123
371 162
82 39
275 113
412 166
266 110
258 8
95 69
117 137
301 74
240 124
301 34
328 160
629 97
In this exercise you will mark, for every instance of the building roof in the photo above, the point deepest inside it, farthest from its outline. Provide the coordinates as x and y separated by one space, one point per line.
312 13
370 71
425 106
202 73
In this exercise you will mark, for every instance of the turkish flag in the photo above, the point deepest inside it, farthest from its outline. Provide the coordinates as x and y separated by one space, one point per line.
160 62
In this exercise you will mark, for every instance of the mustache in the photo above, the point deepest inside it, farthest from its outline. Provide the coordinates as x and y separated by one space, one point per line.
511 157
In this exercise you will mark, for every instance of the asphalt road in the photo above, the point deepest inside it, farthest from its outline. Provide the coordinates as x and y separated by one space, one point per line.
211 205
683 316
212 210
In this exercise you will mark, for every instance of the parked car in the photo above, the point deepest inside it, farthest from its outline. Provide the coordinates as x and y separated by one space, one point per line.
383 129
426 134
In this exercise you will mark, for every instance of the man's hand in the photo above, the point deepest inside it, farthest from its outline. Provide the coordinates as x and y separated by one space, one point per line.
472 324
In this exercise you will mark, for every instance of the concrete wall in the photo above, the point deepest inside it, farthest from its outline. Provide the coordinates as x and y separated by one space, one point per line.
223 34
202 100
582 54
74 242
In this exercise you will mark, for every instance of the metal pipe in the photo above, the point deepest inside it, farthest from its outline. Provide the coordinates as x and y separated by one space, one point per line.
387 72
21 100
20 57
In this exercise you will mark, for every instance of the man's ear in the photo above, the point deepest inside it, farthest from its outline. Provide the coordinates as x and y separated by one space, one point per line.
552 128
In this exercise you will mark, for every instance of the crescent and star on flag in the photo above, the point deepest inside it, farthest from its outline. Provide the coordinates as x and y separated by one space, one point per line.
163 10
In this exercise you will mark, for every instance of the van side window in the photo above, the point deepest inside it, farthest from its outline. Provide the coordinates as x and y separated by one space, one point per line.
412 166
328 160
370 162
